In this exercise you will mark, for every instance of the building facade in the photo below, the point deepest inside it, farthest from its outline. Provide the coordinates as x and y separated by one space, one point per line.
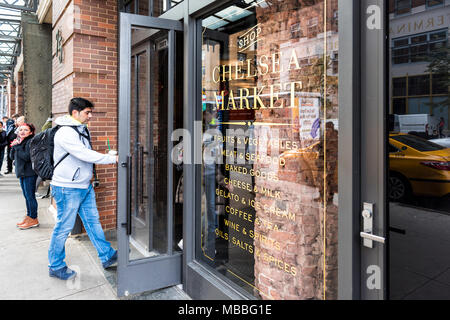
257 159
418 32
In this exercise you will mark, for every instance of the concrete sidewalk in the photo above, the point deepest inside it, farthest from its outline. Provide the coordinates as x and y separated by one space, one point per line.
23 255
24 263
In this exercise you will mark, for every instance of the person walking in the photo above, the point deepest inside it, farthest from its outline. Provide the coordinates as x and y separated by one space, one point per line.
4 120
72 189
11 135
3 144
441 128
20 154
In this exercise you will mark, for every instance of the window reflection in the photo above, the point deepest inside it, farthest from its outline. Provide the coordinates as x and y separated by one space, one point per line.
268 215
153 8
419 154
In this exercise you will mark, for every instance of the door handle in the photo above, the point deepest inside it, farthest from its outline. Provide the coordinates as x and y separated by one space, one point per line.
372 237
367 233
128 165
141 174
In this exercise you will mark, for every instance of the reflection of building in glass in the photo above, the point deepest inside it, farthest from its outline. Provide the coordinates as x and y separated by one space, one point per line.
300 211
419 32
263 71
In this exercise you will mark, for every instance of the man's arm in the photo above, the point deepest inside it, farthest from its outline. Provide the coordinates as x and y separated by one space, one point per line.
70 141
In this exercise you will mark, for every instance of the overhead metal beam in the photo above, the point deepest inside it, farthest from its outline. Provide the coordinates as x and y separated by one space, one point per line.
31 8
6 37
9 40
9 21
4 54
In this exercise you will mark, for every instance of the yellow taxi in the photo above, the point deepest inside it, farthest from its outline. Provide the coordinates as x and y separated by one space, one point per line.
417 167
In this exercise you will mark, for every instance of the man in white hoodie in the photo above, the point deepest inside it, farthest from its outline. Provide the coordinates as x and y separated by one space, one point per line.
72 188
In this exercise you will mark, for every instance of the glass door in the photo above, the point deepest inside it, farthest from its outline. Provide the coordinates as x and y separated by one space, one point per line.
149 105
418 140
405 151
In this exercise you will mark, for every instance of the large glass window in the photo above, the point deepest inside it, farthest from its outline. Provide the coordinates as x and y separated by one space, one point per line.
267 219
435 3
402 6
421 94
153 8
419 48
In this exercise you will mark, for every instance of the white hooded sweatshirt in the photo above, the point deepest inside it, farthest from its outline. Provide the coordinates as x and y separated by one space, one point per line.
75 171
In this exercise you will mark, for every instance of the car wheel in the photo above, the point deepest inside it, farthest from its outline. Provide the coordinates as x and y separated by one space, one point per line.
399 189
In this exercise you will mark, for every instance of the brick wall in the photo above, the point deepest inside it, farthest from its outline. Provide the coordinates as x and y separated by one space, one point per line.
89 70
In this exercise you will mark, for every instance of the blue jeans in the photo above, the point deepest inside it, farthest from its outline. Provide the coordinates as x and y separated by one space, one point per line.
69 202
2 156
28 185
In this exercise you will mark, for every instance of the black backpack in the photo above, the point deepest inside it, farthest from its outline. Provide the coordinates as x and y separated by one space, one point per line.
41 153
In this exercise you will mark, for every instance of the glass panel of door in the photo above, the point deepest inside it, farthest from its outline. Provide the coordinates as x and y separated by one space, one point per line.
149 149
419 156
268 204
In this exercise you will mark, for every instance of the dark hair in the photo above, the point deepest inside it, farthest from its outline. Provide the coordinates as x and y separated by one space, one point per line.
31 127
79 104
15 116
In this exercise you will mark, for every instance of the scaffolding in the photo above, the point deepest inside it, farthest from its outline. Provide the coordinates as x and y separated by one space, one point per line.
10 42
11 34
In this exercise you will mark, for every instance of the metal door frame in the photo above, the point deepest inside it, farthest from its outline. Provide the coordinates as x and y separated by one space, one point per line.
362 142
374 265
164 270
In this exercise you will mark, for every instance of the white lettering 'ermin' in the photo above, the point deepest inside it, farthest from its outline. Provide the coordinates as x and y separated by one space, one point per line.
195 310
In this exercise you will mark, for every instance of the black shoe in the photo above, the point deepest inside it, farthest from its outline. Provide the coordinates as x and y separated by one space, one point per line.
110 262
7 172
64 273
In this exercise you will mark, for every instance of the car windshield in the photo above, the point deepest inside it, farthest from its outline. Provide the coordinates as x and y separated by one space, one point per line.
418 143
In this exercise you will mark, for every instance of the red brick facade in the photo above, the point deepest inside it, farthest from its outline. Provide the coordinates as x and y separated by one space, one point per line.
89 70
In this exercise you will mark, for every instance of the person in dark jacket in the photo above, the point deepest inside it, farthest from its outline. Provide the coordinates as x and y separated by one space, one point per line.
20 153
11 135
3 144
